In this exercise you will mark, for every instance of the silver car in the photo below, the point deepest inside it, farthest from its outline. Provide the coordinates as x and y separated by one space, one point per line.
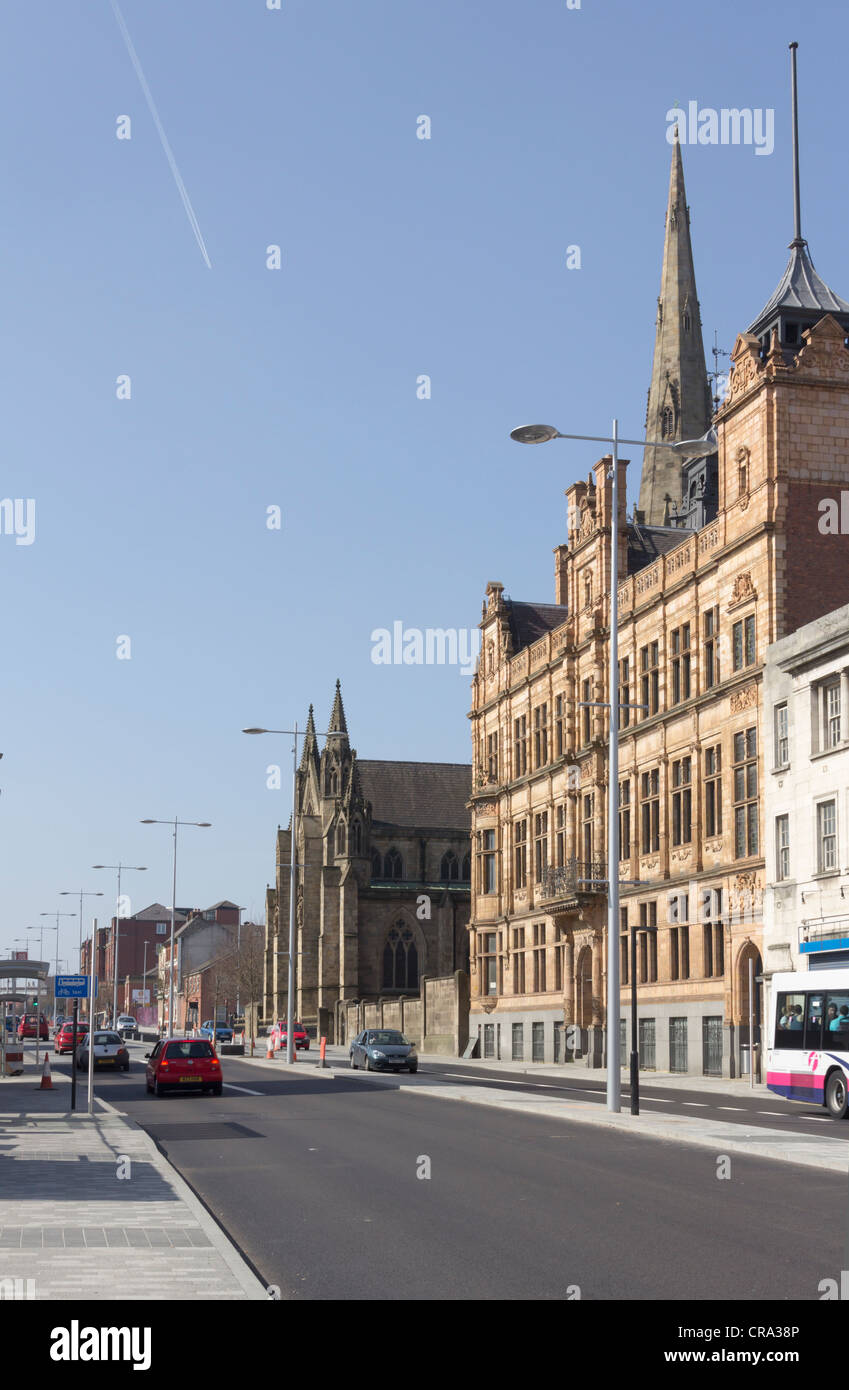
383 1049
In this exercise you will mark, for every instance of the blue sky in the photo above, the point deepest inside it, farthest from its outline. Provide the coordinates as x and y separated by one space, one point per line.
297 388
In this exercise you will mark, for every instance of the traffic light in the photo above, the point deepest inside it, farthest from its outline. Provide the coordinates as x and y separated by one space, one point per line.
35 1003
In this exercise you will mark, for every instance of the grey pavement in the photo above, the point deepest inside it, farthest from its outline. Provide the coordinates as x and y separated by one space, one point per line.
89 1207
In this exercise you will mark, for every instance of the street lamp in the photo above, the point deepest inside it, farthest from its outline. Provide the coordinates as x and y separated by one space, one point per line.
203 825
57 915
133 868
68 893
290 992
688 448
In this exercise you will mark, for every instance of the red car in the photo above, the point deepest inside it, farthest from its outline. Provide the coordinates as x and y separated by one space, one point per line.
278 1036
180 1063
63 1040
27 1027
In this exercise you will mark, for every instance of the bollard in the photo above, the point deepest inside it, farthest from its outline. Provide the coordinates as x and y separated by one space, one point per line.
322 1049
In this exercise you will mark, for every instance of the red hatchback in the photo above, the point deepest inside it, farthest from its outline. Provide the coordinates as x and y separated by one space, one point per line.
27 1027
63 1038
180 1063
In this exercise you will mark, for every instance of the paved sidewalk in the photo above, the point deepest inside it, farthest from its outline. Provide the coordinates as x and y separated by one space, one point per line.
89 1208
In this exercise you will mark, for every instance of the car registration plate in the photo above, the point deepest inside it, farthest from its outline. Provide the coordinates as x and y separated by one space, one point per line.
190 1078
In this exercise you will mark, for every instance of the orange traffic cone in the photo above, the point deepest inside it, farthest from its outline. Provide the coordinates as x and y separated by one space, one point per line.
269 1056
46 1078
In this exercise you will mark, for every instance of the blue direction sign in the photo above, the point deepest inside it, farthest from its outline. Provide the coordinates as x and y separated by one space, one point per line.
73 986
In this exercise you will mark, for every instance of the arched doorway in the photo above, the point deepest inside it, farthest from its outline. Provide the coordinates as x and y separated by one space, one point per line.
749 1008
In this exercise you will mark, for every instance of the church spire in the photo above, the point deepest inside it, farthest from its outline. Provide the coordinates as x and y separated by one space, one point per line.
337 718
679 404
310 753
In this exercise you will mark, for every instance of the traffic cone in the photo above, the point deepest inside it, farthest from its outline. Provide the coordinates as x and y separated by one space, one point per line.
46 1078
269 1056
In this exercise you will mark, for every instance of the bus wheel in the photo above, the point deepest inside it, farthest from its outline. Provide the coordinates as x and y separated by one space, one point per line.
836 1099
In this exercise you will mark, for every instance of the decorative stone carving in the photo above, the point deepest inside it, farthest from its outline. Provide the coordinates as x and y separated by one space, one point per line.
586 772
488 808
709 539
648 579
743 587
744 699
681 856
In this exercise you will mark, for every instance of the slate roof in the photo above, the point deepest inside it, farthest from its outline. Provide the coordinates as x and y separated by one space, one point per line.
530 621
802 288
157 913
646 543
417 794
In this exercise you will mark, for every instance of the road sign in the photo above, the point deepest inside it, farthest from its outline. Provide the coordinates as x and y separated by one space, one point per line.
73 986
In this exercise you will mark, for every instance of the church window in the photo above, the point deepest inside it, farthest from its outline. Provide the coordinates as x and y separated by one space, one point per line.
743 479
331 782
400 959
376 865
466 875
666 422
357 833
393 865
686 323
450 868
340 838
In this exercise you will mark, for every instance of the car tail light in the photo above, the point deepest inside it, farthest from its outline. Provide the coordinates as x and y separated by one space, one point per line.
213 1062
163 1066
122 1052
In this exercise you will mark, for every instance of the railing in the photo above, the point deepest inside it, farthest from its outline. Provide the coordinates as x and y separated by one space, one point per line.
575 876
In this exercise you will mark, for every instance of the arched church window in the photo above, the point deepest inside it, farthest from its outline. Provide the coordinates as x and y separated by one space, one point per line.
466 875
393 865
450 868
340 838
400 959
376 865
666 421
686 323
331 782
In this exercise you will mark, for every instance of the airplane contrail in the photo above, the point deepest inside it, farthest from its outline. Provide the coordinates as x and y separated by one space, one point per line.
181 187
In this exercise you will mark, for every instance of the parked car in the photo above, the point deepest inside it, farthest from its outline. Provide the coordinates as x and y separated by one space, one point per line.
64 1039
29 1025
180 1063
109 1051
383 1049
278 1036
127 1026
223 1031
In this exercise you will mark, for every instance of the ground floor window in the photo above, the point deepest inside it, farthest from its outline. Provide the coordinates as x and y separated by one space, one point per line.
712 1045
518 1043
647 1044
489 1040
677 1044
537 1042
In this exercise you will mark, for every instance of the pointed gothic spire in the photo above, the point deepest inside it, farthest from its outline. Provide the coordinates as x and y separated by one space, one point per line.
337 718
310 753
679 405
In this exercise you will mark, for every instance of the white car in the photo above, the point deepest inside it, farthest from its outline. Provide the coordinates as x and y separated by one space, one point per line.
109 1052
126 1026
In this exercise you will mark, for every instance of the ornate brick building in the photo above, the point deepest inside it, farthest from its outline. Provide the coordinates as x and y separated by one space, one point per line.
383 866
743 564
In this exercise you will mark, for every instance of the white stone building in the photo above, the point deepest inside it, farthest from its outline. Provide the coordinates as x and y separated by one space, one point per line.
806 797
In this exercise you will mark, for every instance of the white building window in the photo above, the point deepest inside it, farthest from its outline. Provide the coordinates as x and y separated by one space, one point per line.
831 694
782 736
782 847
826 836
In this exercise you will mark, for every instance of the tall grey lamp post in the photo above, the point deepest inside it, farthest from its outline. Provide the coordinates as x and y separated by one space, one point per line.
290 991
204 825
72 893
541 434
57 915
132 868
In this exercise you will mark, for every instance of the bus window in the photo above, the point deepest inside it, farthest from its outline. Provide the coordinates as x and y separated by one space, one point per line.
813 1023
789 1020
836 1032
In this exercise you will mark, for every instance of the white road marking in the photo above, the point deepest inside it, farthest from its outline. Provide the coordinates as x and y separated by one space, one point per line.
230 1087
703 1104
741 1108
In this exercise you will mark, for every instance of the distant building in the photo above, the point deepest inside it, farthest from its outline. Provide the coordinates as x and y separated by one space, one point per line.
383 868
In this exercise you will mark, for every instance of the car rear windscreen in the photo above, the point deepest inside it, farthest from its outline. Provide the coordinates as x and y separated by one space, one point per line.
191 1047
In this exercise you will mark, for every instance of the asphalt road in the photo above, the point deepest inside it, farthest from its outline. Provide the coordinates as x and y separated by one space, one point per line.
316 1182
